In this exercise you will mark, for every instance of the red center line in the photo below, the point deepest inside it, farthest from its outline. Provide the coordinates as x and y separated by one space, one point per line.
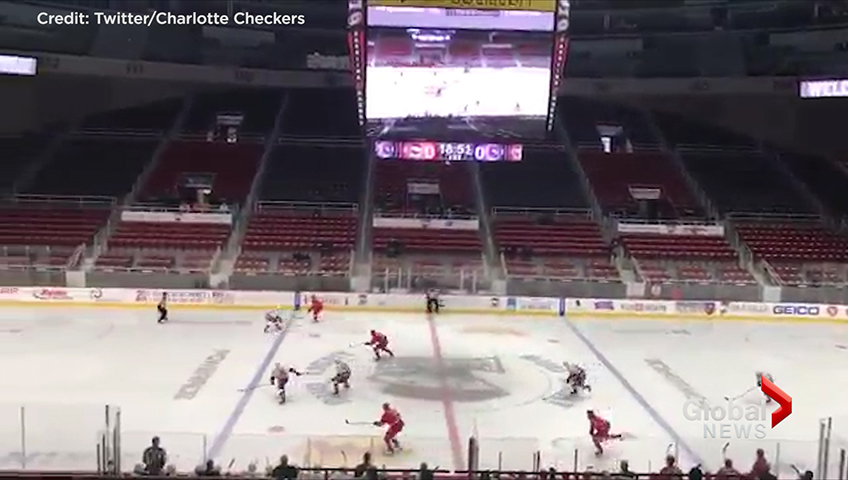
446 396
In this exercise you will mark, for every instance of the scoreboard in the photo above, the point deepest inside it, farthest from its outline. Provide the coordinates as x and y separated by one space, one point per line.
448 151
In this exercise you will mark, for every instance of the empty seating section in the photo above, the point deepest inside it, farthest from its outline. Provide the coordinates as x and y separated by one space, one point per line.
233 167
543 179
321 113
825 178
163 246
49 233
18 151
103 167
745 182
553 246
612 175
685 133
259 108
584 120
799 253
314 173
691 258
153 117
295 241
393 176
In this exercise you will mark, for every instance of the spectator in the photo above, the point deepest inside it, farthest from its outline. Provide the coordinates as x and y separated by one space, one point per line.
284 471
761 465
154 458
424 473
670 470
210 470
696 473
625 472
727 472
371 473
360 469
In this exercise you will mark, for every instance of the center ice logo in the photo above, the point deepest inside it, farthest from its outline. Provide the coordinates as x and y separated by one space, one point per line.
734 420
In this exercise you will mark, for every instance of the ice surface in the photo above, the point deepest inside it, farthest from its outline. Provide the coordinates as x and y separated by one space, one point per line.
498 378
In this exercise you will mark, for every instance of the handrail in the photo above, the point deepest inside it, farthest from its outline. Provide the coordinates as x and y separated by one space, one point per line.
569 211
414 215
766 216
678 221
504 264
93 200
154 207
117 133
772 273
271 205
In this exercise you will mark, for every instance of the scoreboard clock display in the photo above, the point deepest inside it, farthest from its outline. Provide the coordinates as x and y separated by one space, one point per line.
448 151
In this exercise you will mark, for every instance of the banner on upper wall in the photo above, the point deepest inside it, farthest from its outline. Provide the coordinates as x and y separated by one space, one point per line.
676 229
427 223
177 217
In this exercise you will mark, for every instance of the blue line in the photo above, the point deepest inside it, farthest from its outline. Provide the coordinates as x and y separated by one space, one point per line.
225 433
635 394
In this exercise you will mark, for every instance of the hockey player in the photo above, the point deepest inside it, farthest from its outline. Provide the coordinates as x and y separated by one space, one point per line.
342 376
379 343
162 308
576 378
273 320
768 376
391 418
316 306
599 429
279 378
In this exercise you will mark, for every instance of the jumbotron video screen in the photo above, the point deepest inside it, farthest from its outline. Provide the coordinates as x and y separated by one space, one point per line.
431 71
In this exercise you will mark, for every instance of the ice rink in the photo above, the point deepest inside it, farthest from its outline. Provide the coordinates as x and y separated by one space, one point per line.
496 377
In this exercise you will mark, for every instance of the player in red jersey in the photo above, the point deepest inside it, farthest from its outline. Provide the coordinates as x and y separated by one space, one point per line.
315 307
599 429
379 343
393 420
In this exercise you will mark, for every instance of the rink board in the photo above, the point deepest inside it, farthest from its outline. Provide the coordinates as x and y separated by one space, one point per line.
409 303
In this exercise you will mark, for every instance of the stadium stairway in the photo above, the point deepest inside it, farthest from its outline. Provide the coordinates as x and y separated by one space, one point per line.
231 252
100 239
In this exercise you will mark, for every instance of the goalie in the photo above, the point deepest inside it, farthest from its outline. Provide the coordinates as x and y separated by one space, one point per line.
576 378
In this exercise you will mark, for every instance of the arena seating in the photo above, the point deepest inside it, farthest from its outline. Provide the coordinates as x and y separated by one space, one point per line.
314 173
259 108
233 165
549 245
94 166
321 113
295 240
798 252
745 182
545 178
43 233
611 175
392 177
163 246
686 134
825 178
582 118
687 258
18 151
149 118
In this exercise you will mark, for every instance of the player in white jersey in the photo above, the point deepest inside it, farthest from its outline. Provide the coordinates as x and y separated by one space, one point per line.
576 378
769 377
273 320
342 376
280 377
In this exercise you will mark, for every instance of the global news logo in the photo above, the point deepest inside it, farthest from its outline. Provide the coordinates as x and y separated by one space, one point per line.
733 420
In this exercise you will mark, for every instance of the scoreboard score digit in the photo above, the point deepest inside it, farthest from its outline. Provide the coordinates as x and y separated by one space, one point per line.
448 151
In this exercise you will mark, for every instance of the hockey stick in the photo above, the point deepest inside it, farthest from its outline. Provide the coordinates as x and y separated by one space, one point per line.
737 397
348 422
724 450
